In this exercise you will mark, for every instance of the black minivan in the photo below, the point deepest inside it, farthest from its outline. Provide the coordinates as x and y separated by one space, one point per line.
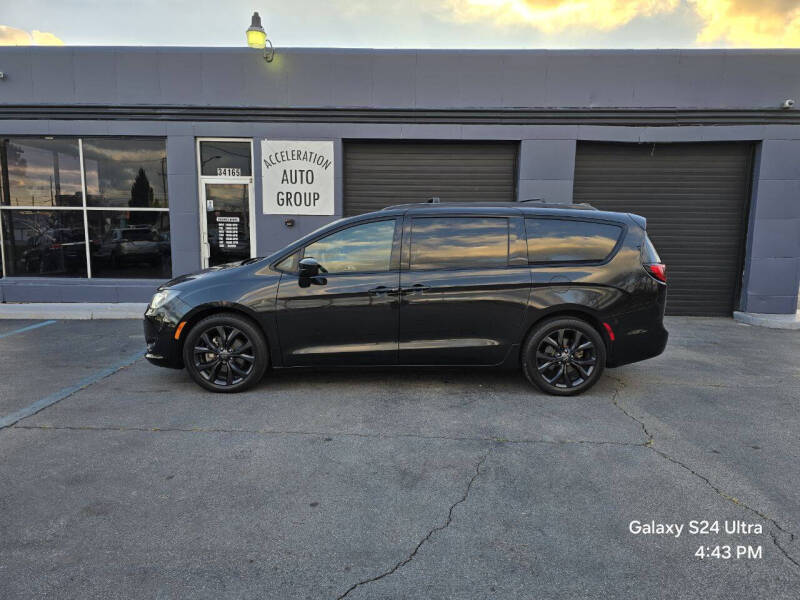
561 290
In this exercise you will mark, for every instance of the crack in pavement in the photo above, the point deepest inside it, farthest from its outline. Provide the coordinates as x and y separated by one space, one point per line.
420 436
737 502
615 402
430 533
650 444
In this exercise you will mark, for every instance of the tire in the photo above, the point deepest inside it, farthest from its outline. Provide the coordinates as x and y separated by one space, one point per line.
564 356
236 364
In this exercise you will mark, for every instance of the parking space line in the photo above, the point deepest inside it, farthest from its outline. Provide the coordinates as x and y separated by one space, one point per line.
28 328
34 408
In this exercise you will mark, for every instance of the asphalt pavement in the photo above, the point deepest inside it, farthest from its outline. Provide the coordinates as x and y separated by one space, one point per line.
132 482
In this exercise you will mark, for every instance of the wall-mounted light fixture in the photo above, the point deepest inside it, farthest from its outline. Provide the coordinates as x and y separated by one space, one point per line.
257 38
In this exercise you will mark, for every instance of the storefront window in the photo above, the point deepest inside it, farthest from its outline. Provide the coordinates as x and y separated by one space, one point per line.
124 172
121 218
40 172
42 243
129 244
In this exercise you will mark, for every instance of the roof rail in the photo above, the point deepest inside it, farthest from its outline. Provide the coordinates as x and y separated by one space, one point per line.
545 204
538 202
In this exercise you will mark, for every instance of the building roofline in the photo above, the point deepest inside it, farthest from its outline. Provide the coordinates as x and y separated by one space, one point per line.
370 50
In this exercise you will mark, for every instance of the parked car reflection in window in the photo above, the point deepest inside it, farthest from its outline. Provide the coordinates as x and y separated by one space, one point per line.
131 244
44 243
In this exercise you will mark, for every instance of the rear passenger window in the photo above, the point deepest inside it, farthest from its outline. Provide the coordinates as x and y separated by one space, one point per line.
649 254
557 240
458 242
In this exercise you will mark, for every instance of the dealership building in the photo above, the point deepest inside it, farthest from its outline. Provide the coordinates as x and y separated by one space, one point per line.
123 167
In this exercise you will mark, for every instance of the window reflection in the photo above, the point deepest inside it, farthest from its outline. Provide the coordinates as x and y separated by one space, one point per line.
555 240
289 264
40 243
125 172
130 244
225 159
363 248
40 172
459 242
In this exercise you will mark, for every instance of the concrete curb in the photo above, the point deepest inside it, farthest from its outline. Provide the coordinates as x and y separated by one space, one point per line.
770 321
66 311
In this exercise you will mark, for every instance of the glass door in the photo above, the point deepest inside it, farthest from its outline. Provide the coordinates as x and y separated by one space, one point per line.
227 222
226 200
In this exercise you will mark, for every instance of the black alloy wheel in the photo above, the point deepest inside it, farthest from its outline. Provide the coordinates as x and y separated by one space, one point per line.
564 356
225 353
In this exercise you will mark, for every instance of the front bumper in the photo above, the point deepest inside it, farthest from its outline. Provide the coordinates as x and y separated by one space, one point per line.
163 349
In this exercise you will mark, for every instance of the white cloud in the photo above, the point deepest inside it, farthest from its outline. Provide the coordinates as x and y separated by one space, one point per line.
11 36
553 16
749 23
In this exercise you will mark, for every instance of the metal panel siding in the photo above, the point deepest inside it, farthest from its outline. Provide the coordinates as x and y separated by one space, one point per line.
695 197
380 174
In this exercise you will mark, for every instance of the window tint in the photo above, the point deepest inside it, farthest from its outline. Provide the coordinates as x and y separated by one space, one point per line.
362 248
130 244
556 240
42 243
225 159
125 172
40 172
649 254
289 264
459 242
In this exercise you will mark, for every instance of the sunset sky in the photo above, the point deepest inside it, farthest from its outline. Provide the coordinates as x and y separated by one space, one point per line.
409 23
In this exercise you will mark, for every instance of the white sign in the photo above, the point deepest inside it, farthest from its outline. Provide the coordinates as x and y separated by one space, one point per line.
228 232
297 177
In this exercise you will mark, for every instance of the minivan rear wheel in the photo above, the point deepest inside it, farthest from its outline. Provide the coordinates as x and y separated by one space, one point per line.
564 356
225 353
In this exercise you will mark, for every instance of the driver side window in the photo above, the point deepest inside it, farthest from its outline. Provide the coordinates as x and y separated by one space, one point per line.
359 249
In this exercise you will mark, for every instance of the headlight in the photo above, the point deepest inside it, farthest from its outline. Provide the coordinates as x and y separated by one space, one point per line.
161 298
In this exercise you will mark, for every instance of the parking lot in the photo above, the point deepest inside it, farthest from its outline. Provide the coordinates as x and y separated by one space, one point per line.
132 482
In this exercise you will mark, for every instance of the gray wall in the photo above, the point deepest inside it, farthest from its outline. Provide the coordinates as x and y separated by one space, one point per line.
399 79
565 81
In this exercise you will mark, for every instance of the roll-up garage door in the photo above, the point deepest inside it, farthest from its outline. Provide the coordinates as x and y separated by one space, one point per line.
380 174
695 198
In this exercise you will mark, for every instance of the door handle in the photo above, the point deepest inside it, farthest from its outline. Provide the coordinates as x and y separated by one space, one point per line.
382 289
417 287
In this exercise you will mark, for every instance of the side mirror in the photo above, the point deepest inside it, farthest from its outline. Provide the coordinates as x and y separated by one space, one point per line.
309 267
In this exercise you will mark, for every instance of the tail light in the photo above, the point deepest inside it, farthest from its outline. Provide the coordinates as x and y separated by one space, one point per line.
657 270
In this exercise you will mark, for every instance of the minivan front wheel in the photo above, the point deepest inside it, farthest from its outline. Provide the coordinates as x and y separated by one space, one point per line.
225 353
564 356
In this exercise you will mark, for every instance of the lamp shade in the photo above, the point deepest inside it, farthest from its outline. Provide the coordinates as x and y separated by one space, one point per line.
256 36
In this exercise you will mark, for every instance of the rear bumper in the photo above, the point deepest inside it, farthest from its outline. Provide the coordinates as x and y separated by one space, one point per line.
163 349
637 345
639 332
